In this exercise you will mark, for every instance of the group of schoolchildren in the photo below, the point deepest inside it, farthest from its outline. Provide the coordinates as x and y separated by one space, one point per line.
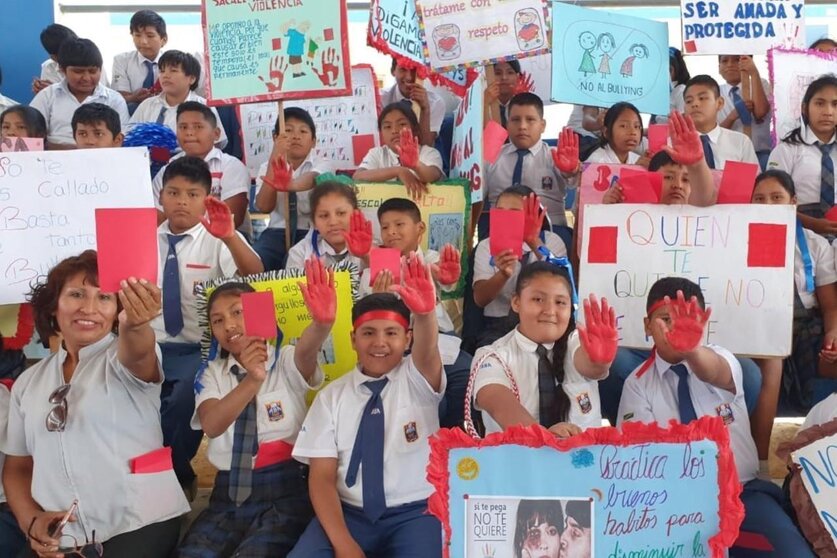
347 476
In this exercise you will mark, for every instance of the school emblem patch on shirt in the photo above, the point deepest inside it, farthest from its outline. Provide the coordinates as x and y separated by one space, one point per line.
725 412
546 183
410 432
274 411
584 403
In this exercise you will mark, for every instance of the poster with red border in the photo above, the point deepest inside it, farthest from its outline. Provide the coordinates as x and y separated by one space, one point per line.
269 50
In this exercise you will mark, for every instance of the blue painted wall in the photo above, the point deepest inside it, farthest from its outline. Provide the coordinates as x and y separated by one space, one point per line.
21 53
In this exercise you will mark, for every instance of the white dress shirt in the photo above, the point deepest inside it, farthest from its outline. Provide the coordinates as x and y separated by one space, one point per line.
803 161
729 145
384 158
312 163
437 105
759 130
149 111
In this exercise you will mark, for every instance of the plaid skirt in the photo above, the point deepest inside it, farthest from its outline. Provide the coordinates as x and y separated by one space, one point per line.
800 368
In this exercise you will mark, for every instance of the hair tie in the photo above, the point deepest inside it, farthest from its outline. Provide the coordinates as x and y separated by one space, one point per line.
562 261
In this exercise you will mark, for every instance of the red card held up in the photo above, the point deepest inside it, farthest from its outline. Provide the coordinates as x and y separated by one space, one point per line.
506 231
493 138
657 137
259 314
640 186
737 182
155 461
121 255
381 259
831 214
361 145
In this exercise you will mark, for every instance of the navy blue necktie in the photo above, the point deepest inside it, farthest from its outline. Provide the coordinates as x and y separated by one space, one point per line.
684 398
148 82
161 118
707 151
827 175
743 114
172 313
547 390
369 448
517 175
245 446
503 120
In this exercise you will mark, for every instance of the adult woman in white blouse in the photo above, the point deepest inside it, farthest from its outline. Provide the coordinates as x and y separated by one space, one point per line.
84 423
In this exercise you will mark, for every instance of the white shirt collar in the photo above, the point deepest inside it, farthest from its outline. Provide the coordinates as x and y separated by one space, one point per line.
164 229
526 344
534 150
141 59
662 365
88 350
714 134
358 378
99 92
809 137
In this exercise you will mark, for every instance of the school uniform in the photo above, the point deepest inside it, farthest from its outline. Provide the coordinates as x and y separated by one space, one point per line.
271 244
822 412
409 405
155 109
804 162
199 257
520 356
12 539
652 396
112 418
271 518
436 103
728 145
313 243
58 105
131 71
383 158
50 71
759 129
606 154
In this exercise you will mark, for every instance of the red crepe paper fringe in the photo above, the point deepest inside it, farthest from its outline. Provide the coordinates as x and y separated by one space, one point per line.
25 329
731 510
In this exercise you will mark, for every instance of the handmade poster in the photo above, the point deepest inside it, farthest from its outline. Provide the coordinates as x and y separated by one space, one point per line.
642 491
466 153
819 465
478 32
21 144
791 72
539 68
257 121
265 50
292 317
601 58
445 211
735 27
394 31
741 256
47 206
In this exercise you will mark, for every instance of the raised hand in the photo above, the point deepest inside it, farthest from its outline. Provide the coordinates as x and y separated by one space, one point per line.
219 220
417 290
448 270
319 292
141 302
359 236
685 147
281 176
276 76
688 322
408 149
565 156
525 84
533 216
598 335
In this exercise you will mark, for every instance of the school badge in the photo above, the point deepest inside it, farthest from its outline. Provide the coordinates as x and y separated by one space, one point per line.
274 411
546 183
410 432
584 403
725 412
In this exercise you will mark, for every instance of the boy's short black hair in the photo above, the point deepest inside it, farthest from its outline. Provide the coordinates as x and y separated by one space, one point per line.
660 159
148 18
185 61
93 113
193 169
194 106
79 52
668 287
380 301
527 100
54 35
400 205
297 113
704 79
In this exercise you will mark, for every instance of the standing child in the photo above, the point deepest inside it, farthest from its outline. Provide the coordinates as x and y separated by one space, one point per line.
259 505
621 136
366 435
96 125
544 372
135 72
738 114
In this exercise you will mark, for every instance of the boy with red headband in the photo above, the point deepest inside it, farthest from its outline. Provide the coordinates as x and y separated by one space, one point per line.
386 406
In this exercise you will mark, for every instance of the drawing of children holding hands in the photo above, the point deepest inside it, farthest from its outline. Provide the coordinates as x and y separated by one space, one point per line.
606 44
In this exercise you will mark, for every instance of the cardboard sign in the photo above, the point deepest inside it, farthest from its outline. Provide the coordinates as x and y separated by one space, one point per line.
733 27
601 58
740 255
49 200
122 255
640 491
267 50
458 33
819 462
466 153
257 121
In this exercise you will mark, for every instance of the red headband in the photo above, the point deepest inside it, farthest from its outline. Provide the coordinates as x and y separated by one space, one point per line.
381 315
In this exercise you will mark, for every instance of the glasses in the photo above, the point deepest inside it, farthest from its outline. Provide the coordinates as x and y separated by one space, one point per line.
57 417
91 549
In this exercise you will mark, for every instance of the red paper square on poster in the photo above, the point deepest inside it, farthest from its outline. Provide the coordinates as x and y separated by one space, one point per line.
277 44
766 245
361 145
602 247
328 34
690 46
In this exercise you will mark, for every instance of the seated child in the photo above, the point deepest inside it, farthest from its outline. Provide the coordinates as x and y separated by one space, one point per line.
379 415
400 158
507 83
21 121
711 376
332 204
52 37
286 180
407 90
135 72
258 507
552 368
495 277
96 125
621 136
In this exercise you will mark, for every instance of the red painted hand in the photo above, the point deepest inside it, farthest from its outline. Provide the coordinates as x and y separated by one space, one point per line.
525 84
329 59
282 174
359 236
688 322
448 269
318 292
417 290
408 149
565 156
534 214
685 147
219 219
598 335
278 67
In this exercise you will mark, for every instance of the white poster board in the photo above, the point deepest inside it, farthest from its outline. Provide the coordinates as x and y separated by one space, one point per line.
740 255
734 27
48 202
819 463
257 121
539 69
